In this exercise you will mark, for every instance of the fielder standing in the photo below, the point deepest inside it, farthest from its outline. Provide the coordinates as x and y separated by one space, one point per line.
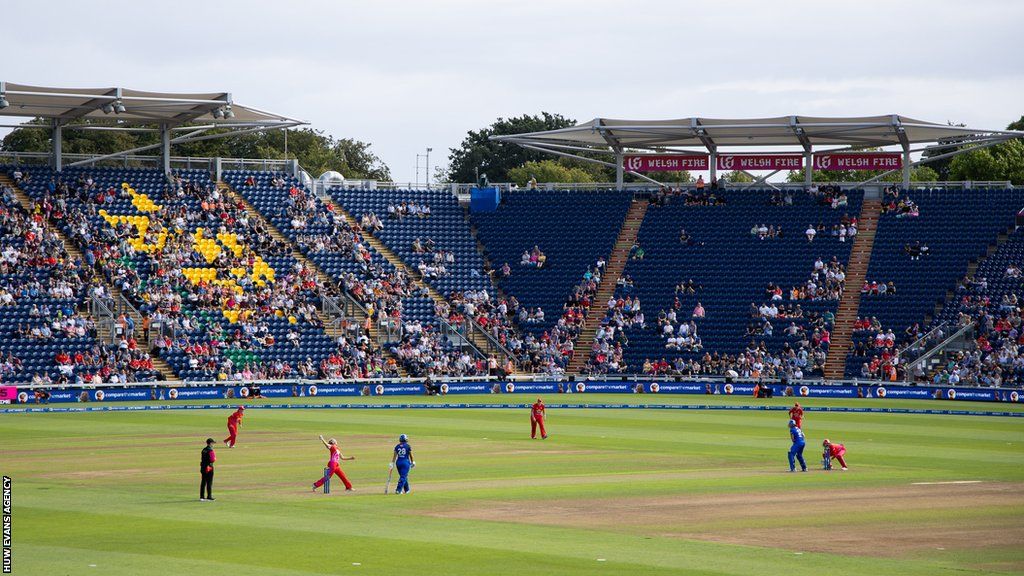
796 414
796 451
334 464
234 421
537 414
402 459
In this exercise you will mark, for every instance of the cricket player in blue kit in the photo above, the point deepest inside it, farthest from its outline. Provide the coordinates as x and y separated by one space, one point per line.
402 459
797 449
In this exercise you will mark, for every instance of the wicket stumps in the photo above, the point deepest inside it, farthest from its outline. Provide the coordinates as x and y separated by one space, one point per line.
826 461
327 480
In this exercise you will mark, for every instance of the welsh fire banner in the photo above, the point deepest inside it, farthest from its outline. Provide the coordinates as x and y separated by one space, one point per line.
858 161
665 162
760 162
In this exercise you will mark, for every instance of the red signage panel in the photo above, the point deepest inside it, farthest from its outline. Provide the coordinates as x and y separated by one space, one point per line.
760 162
858 161
665 162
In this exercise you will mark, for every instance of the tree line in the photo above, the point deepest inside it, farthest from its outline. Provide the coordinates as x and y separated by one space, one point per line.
316 152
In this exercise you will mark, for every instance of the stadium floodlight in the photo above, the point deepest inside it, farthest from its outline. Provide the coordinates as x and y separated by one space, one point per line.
119 107
3 101
108 108
227 112
218 113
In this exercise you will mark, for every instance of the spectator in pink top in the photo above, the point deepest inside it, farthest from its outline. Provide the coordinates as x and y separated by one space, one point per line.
698 311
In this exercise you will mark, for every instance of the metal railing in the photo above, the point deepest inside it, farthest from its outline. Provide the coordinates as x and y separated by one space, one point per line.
915 349
633 378
103 313
493 345
965 332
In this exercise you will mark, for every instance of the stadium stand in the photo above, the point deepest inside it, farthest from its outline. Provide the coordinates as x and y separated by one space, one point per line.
705 265
571 229
46 334
232 302
428 230
925 242
990 299
226 281
413 333
550 243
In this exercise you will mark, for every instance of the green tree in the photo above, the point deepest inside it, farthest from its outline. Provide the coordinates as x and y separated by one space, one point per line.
315 151
666 178
738 177
478 152
1000 162
548 171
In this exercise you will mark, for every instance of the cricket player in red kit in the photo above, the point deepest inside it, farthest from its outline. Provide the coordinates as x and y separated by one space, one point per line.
836 451
537 419
334 464
234 421
796 413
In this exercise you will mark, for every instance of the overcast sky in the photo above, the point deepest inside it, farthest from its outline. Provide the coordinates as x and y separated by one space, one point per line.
408 75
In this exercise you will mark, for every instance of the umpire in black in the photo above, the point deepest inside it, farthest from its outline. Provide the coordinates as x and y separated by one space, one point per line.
206 470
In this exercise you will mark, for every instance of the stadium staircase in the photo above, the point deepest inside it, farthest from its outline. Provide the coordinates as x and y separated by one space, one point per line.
856 272
480 341
613 271
103 330
330 327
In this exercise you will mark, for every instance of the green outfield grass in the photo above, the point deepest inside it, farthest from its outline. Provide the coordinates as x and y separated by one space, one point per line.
612 491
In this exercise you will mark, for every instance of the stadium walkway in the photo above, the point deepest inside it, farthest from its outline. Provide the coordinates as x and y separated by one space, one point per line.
849 306
609 280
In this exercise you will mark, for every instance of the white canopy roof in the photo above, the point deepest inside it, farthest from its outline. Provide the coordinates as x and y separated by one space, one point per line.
711 133
139 107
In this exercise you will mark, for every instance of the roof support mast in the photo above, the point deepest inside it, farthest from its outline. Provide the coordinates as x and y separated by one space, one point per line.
708 143
56 134
897 125
617 148
165 148
805 143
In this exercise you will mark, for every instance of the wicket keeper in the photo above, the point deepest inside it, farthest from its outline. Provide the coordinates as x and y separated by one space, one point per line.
836 451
